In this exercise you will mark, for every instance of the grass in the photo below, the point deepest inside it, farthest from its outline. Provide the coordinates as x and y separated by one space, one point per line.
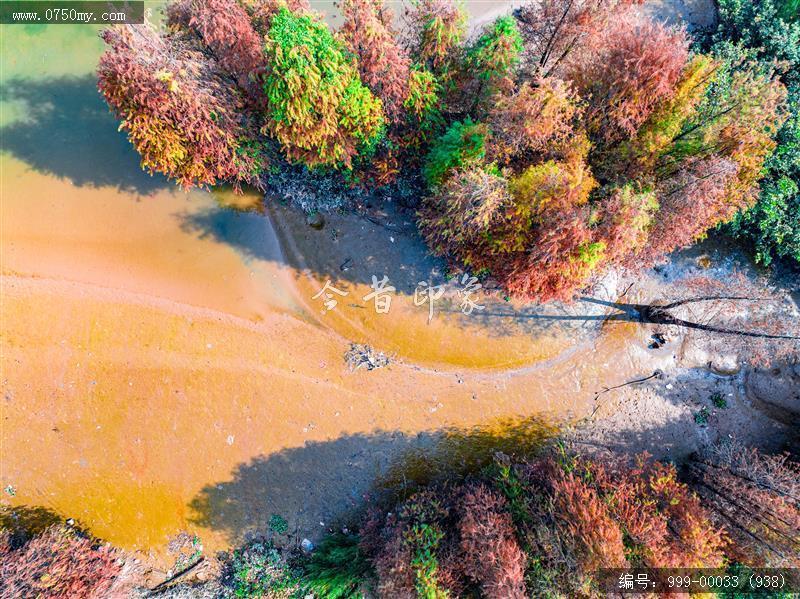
719 400
701 417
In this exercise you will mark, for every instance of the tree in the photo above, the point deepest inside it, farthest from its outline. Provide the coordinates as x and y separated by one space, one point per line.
492 58
383 65
527 123
553 30
625 220
462 145
226 30
689 202
318 109
756 497
634 66
458 220
436 29
539 526
59 562
181 112
768 31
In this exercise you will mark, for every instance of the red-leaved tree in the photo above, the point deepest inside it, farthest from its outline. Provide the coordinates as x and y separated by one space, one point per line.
633 64
383 65
58 563
180 111
555 29
227 32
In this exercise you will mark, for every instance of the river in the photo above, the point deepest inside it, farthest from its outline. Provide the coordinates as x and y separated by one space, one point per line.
165 367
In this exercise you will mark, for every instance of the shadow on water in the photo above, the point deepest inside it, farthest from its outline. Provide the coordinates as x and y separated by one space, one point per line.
68 132
248 232
328 481
24 522
351 250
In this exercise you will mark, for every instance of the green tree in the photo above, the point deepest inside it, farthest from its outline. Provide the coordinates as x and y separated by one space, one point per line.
462 145
495 54
769 31
318 109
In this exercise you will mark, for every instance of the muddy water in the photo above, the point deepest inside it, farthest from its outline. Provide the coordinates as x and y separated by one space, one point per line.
164 366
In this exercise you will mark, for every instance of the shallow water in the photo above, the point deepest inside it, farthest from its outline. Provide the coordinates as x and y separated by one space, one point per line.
164 366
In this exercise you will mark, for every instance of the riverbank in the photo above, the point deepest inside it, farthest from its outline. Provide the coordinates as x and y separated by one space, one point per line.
167 369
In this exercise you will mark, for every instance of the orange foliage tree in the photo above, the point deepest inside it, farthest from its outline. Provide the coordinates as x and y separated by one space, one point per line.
383 64
179 109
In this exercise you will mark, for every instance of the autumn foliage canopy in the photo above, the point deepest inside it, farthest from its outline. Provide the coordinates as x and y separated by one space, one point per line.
547 147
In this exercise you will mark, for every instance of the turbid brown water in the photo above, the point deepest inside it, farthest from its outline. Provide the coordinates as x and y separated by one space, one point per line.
164 366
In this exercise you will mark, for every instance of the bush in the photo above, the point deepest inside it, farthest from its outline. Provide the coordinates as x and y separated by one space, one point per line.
58 562
527 123
459 219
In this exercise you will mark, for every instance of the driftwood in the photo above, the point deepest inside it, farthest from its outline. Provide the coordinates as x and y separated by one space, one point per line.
176 577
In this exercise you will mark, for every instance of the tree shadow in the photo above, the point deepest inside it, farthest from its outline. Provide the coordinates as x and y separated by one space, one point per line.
352 249
326 483
23 522
68 132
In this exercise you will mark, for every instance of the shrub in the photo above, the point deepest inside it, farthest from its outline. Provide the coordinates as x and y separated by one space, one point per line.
639 155
262 11
59 562
259 570
463 145
181 114
318 109
551 229
422 106
337 569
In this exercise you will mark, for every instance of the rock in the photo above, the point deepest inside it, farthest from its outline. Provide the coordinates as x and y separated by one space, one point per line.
725 366
315 220
307 546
